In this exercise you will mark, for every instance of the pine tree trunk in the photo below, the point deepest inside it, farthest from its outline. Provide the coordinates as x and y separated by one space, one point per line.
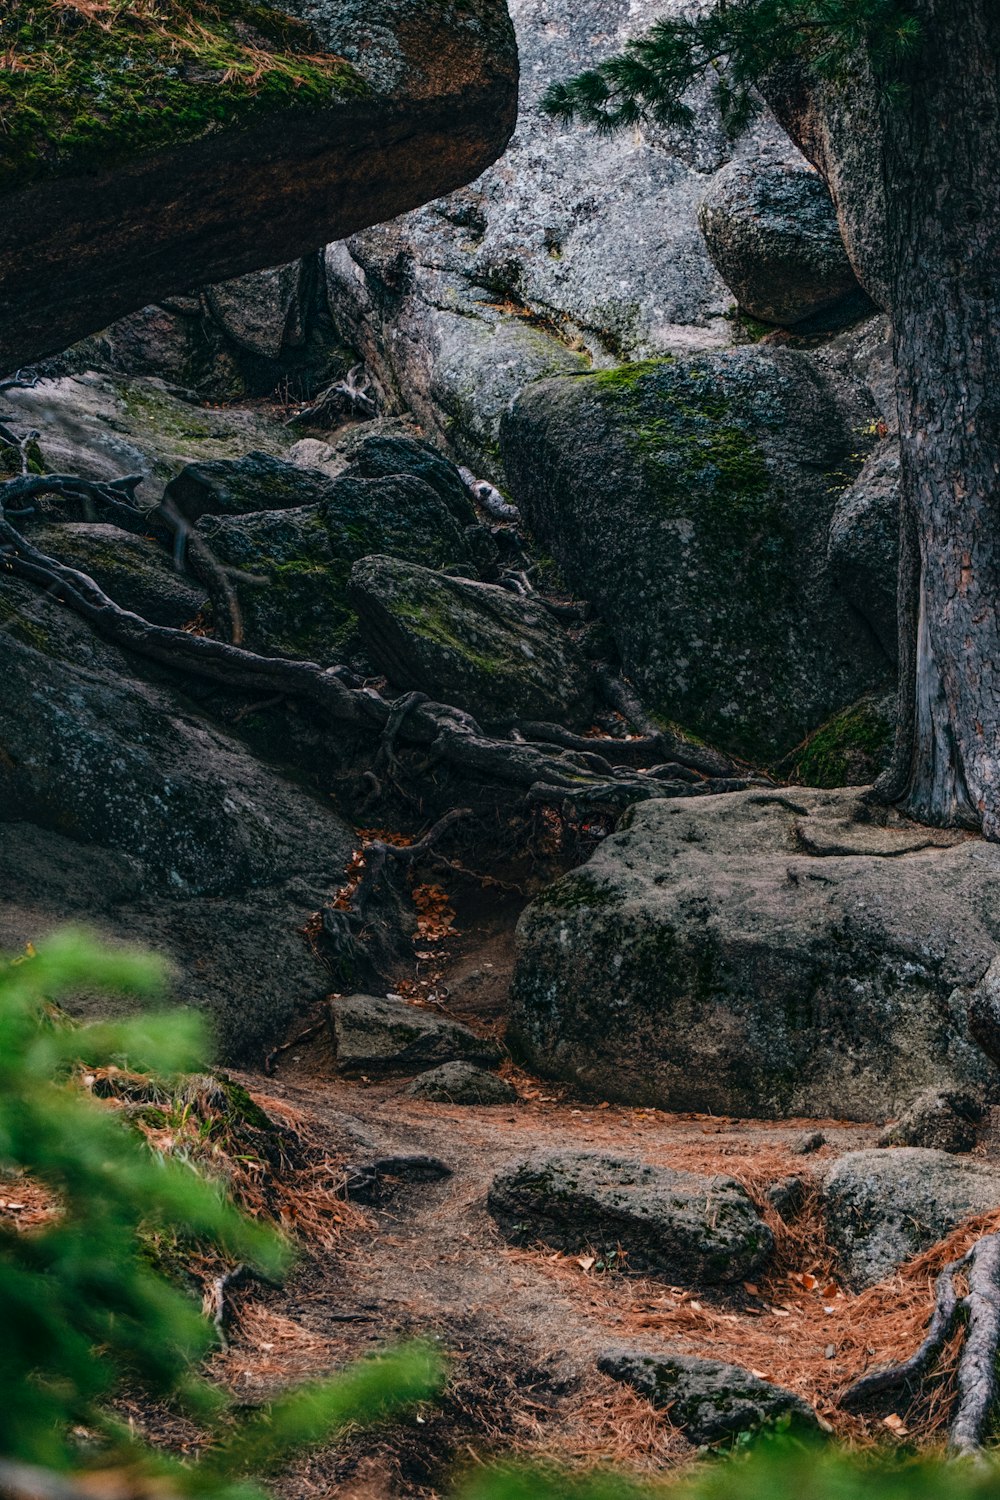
942 165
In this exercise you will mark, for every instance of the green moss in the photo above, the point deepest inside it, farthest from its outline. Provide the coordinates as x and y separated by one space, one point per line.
17 625
678 422
692 431
433 623
574 893
747 330
83 84
304 610
851 749
10 459
628 377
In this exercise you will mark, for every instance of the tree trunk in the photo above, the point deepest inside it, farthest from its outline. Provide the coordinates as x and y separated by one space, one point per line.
942 169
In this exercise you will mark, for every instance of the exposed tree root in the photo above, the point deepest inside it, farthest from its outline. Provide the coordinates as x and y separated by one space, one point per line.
562 769
344 926
979 1308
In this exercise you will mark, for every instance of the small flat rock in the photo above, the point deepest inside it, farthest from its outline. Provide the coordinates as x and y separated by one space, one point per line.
462 1083
378 1180
689 1228
708 1400
941 1119
373 1035
884 1207
807 1145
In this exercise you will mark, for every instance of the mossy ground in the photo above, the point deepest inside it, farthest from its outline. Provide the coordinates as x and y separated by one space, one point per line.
85 82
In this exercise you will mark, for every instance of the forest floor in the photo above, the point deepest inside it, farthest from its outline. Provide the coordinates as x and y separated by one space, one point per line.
524 1327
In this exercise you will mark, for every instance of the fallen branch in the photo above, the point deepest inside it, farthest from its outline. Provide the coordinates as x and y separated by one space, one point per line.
489 497
271 1059
214 1302
977 1368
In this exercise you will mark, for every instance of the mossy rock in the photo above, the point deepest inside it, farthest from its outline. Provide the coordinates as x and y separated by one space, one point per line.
189 142
473 645
90 89
253 517
711 1402
690 1228
133 570
852 749
690 499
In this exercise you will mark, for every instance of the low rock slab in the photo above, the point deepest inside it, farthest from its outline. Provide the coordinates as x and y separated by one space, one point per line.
765 954
884 1207
474 645
708 1400
372 1035
941 1119
462 1083
686 1227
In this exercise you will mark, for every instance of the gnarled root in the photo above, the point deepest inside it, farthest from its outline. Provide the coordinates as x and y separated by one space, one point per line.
561 768
976 1379
346 927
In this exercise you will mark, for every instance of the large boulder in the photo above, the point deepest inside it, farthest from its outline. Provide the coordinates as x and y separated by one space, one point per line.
294 533
376 1035
710 482
835 123
763 954
125 808
573 248
490 652
709 1401
163 177
772 233
884 1207
689 1228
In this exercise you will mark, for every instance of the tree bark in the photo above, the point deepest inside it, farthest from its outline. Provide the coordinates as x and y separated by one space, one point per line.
941 149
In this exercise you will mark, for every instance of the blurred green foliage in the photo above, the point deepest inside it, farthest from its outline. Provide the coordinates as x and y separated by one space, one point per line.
83 1305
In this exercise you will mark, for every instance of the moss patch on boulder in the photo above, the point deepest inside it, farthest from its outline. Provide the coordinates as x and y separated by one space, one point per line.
85 82
851 749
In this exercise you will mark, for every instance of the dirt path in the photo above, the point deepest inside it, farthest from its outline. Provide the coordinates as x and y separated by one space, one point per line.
525 1326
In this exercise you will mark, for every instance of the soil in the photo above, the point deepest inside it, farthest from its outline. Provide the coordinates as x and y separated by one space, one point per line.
523 1328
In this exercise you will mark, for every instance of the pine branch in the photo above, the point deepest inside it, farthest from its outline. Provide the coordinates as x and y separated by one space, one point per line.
736 43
